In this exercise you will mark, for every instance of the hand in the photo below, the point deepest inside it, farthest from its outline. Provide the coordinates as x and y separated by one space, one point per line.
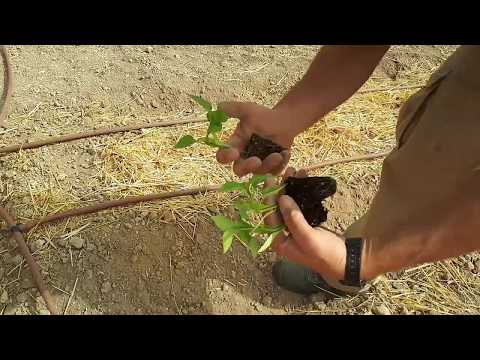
265 122
320 250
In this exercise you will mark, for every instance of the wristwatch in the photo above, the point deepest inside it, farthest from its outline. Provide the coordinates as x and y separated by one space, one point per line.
353 262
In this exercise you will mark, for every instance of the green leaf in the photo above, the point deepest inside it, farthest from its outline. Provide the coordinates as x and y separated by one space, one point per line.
243 214
217 116
268 229
227 240
185 141
214 142
268 242
244 237
257 179
272 190
253 246
202 102
223 223
242 208
214 127
232 186
261 208
255 206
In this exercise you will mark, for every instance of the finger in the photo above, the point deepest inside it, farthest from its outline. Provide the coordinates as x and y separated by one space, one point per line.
296 224
286 156
242 167
269 182
278 170
226 156
270 163
289 248
302 173
236 109
237 142
289 172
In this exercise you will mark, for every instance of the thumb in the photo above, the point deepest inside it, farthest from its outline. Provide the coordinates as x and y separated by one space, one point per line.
237 109
296 224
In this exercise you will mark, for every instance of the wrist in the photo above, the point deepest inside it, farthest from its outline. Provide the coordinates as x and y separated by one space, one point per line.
297 117
370 268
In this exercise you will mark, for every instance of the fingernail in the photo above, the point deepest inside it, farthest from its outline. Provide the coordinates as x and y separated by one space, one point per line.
285 204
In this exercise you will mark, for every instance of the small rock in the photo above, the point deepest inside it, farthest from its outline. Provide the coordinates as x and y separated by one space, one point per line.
11 309
398 285
4 297
22 297
477 267
12 242
10 174
62 242
267 300
15 260
37 244
381 310
76 242
154 104
318 298
27 283
176 56
271 257
470 266
404 311
43 312
89 274
149 49
106 287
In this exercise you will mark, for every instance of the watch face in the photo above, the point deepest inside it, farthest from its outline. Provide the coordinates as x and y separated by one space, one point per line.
353 261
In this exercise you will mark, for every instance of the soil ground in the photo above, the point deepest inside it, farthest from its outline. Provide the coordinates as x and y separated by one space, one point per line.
147 260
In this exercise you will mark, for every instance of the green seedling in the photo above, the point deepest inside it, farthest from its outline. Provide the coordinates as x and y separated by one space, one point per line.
216 118
249 229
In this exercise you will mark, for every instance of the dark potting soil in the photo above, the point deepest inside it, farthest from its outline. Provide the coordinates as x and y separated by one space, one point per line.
260 147
309 193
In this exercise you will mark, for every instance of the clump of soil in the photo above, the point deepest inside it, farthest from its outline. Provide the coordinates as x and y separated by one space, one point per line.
261 148
309 193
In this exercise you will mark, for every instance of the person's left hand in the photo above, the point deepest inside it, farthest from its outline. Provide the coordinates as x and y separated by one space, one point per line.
316 248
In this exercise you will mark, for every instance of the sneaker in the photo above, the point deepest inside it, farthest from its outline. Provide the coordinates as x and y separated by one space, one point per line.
302 280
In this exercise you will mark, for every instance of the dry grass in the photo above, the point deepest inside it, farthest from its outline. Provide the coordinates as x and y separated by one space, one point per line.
147 162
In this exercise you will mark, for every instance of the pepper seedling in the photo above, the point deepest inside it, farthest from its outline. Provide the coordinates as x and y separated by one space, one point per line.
249 229
216 118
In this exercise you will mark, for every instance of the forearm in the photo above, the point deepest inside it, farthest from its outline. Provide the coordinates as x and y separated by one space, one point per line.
336 73
451 233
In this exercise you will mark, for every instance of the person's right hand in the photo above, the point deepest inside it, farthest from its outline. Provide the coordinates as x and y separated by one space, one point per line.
267 123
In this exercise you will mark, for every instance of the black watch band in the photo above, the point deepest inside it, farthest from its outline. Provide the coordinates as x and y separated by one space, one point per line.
353 262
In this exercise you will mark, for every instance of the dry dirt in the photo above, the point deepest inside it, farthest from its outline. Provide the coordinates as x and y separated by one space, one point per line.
138 260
